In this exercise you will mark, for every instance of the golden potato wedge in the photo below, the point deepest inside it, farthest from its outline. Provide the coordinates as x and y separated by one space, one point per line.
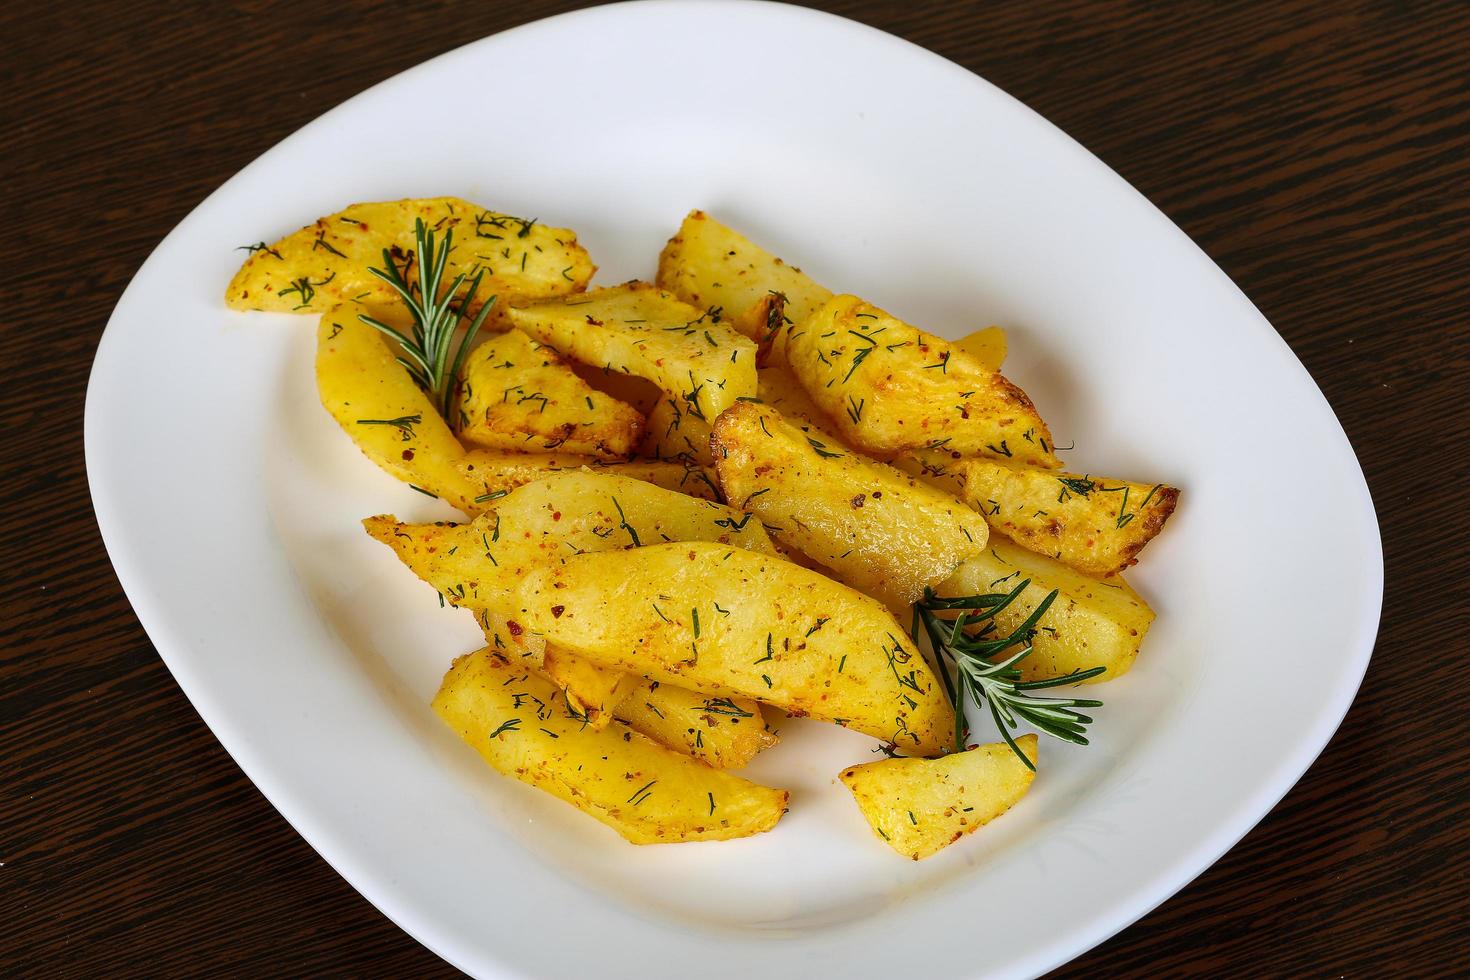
499 473
479 564
677 435
641 393
730 622
327 262
934 466
777 387
520 395
891 388
520 724
509 640
638 328
1095 525
709 264
1092 623
387 415
921 806
879 530
988 346
591 690
723 732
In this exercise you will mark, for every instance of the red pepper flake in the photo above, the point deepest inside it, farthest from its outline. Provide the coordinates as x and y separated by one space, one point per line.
556 611
515 628
556 515
408 454
858 500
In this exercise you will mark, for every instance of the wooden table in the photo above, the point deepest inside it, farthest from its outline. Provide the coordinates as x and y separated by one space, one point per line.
1319 152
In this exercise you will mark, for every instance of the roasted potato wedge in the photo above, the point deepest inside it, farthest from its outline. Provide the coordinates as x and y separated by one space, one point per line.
1092 622
891 388
729 622
592 690
495 474
723 732
638 328
1095 525
708 264
677 435
327 262
480 563
378 404
921 806
777 387
510 640
518 394
988 346
520 724
878 529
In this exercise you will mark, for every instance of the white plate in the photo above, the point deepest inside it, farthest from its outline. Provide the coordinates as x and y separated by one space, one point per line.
229 501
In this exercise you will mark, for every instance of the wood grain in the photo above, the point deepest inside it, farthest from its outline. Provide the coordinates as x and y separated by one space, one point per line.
1319 152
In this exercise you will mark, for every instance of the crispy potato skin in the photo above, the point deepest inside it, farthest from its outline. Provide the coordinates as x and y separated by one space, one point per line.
366 390
520 725
891 388
1092 622
1094 524
479 564
502 472
880 530
519 395
708 264
729 622
692 354
327 262
918 807
722 732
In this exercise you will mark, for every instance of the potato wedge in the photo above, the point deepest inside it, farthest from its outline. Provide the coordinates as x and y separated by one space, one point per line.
935 467
638 328
378 404
723 732
509 640
777 387
891 388
677 435
592 691
729 622
498 473
520 395
988 346
879 530
708 264
1092 622
480 563
520 725
327 262
1095 525
921 806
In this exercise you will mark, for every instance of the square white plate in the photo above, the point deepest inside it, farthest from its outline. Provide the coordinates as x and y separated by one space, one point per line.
229 501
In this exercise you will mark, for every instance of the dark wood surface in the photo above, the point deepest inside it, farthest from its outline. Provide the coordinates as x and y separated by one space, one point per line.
1319 152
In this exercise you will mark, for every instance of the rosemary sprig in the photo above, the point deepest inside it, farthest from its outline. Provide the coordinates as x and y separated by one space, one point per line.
977 664
437 314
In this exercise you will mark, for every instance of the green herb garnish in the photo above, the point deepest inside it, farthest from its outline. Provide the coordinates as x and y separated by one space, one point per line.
431 354
978 665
